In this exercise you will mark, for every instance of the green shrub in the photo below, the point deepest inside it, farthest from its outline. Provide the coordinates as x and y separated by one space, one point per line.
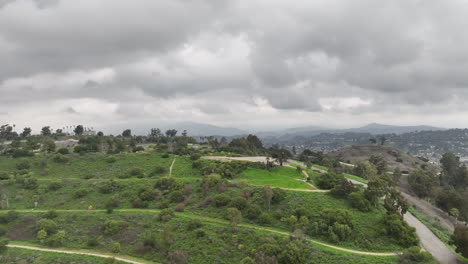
165 156
110 159
3 231
265 218
253 212
8 217
336 224
63 151
3 245
166 214
221 199
329 180
398 229
80 193
414 255
239 203
54 186
112 227
195 156
4 175
30 183
358 200
159 169
56 239
59 158
47 225
51 214
194 224
109 186
23 165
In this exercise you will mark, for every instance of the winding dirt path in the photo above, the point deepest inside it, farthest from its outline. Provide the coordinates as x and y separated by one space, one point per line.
81 252
203 218
170 168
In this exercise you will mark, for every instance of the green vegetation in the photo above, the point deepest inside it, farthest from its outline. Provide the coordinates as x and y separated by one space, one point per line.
18 255
114 196
278 177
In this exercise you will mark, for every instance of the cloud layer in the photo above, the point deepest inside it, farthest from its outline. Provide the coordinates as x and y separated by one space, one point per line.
252 63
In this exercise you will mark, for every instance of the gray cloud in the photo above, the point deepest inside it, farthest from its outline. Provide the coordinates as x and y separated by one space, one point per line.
233 62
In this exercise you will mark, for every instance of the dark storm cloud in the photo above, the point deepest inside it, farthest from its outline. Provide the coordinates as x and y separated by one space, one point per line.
228 59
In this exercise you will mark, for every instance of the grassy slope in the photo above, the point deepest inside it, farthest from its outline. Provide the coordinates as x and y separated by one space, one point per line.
220 243
366 225
279 177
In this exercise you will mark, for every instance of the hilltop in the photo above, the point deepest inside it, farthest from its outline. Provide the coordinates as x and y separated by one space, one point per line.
394 157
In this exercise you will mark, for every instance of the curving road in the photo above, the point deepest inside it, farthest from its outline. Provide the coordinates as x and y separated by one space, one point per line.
429 241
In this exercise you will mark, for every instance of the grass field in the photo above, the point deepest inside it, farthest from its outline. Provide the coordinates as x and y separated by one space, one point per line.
283 177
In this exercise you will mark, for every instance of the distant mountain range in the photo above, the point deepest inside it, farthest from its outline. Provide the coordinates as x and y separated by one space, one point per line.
373 128
199 129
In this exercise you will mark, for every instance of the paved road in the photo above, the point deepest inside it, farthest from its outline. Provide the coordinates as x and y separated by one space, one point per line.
431 242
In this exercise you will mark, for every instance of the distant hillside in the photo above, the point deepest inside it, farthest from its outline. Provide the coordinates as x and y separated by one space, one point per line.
375 129
395 158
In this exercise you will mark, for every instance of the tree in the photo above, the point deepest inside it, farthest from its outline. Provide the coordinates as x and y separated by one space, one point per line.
365 170
155 132
127 133
460 240
422 182
379 162
3 245
268 192
295 252
46 131
171 133
373 140
359 201
280 155
234 216
382 140
7 132
184 133
48 146
79 129
26 132
329 180
455 213
100 134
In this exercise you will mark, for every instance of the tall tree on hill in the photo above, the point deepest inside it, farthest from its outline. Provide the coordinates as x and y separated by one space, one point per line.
26 132
7 132
127 133
46 131
460 239
184 133
171 133
79 129
382 140
373 140
280 154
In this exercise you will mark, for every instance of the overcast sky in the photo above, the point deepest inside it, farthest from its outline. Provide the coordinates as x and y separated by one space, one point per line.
256 64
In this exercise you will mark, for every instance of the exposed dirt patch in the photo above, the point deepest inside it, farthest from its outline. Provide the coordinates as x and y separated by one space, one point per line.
25 230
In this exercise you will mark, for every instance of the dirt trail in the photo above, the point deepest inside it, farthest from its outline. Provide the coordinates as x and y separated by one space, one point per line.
203 218
170 168
328 245
80 252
